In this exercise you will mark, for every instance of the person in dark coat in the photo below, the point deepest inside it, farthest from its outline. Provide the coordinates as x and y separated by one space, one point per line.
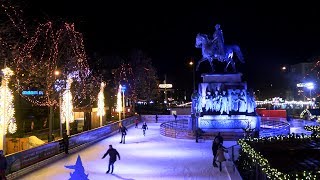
199 132
156 118
123 131
65 142
136 121
215 146
113 153
3 165
219 137
175 117
144 128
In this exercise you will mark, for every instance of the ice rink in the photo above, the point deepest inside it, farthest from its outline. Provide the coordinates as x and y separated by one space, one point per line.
143 157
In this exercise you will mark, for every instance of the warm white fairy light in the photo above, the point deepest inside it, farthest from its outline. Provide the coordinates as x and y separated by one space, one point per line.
119 101
66 106
101 111
6 103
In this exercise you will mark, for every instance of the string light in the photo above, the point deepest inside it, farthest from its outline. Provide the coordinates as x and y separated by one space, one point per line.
101 111
7 120
67 107
119 100
273 173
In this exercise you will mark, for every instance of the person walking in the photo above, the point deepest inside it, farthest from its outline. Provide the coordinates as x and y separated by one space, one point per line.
3 165
215 146
123 131
220 155
113 153
219 137
144 128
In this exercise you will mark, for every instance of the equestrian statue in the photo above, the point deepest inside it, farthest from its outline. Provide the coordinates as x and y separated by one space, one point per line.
216 49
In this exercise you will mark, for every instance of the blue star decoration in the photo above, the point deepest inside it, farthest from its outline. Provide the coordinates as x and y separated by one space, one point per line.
78 173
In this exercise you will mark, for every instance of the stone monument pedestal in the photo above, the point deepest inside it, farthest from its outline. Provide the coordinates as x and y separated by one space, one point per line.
225 105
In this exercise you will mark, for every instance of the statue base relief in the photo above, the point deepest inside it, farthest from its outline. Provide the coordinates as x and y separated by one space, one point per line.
225 104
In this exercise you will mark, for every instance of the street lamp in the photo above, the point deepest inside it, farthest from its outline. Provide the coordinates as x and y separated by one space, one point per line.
191 63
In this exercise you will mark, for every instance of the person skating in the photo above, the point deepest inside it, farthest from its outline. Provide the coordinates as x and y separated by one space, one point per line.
144 128
123 131
136 121
113 153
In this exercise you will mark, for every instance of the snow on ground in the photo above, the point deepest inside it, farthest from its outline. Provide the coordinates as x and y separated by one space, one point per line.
142 157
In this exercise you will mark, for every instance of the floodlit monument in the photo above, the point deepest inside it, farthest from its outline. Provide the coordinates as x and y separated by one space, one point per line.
222 102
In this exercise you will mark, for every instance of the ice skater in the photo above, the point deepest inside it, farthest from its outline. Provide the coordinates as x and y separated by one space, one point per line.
113 153
136 121
123 131
144 128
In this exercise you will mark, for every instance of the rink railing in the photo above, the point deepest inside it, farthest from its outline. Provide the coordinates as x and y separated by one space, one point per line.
23 162
177 129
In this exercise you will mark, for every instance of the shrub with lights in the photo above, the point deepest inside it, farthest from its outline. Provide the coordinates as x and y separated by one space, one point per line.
312 128
250 158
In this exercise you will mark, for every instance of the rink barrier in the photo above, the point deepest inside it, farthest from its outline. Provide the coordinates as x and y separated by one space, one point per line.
23 162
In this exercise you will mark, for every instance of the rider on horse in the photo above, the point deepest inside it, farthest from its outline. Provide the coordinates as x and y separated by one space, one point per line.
218 40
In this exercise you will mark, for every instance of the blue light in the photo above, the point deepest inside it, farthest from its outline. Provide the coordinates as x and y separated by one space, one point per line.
32 93
123 88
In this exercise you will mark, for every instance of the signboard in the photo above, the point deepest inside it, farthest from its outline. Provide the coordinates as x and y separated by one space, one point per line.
32 93
165 86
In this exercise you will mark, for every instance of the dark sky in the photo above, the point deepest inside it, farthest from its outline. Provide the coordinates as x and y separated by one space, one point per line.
269 35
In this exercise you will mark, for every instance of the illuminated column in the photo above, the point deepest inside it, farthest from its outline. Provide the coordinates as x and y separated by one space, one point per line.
101 111
67 107
119 103
7 120
123 88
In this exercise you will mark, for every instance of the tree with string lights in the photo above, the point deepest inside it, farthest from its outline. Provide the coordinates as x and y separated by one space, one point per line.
145 76
46 58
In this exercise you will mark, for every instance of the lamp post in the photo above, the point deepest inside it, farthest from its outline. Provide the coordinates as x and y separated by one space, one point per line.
191 63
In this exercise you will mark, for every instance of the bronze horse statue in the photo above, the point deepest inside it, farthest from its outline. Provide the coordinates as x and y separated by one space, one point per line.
210 49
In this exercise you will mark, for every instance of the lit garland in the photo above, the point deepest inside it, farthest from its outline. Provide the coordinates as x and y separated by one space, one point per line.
101 111
312 128
66 106
7 120
273 173
301 103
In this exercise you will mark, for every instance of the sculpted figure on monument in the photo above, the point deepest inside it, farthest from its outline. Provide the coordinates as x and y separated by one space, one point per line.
242 101
224 103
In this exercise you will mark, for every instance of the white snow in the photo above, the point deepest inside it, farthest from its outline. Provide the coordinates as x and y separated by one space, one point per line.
142 157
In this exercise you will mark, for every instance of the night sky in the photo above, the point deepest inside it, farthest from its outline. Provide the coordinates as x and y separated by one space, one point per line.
269 34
